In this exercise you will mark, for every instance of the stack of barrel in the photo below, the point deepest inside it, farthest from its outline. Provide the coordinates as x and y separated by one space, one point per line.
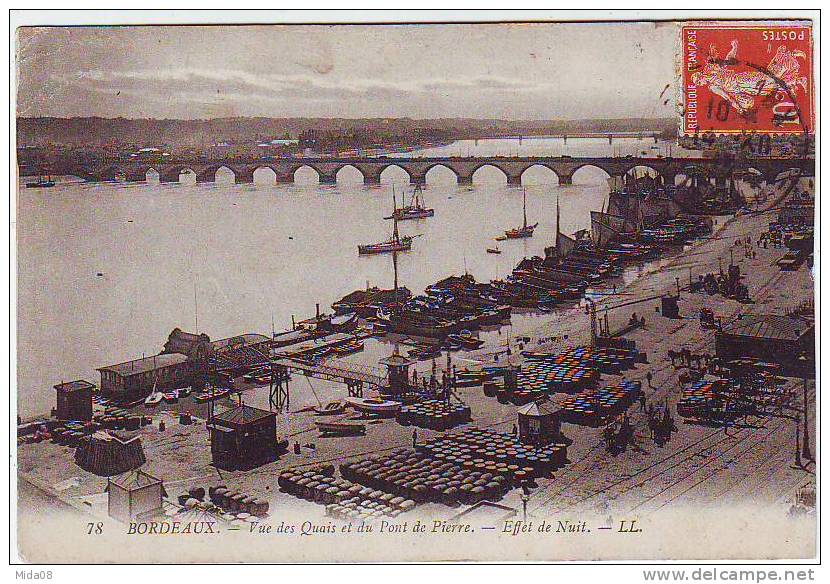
119 421
232 501
341 496
498 453
70 433
434 414
697 399
596 407
561 374
606 360
411 475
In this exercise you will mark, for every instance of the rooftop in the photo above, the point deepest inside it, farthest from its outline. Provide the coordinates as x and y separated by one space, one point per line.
146 364
543 408
239 341
241 415
76 385
134 479
768 326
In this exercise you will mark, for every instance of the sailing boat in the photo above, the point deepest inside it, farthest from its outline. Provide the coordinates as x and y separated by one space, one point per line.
41 183
394 244
154 398
525 230
415 209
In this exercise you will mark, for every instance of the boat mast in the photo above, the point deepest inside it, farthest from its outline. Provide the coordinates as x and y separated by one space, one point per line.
395 236
395 269
524 207
557 225
196 307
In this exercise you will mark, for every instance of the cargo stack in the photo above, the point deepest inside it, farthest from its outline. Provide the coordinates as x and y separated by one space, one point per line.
434 414
597 407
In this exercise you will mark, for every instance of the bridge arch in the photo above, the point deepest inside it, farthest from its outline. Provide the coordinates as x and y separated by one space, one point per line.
440 174
305 174
349 174
152 176
225 175
590 174
394 173
488 173
218 173
174 174
264 175
643 169
539 174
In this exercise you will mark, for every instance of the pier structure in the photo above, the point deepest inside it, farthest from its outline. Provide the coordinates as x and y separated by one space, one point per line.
371 168
355 377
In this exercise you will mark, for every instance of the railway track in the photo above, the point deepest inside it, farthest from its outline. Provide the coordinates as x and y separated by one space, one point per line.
712 448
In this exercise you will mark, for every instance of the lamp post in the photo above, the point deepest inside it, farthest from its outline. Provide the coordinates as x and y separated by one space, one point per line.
797 445
805 445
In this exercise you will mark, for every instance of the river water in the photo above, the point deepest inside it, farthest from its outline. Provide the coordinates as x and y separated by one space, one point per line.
106 271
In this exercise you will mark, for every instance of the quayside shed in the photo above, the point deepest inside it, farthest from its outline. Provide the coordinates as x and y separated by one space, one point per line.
786 340
107 454
134 494
243 437
539 423
74 400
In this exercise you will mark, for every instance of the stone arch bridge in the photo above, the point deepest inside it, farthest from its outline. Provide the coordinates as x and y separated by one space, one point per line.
371 168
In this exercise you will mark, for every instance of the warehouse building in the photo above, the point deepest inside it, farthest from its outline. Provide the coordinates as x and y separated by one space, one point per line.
135 379
786 340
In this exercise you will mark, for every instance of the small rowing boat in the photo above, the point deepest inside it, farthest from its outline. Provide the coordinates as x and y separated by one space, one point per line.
212 394
493 250
470 378
340 427
154 399
369 405
331 409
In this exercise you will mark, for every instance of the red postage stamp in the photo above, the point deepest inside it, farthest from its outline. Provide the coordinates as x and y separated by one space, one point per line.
748 77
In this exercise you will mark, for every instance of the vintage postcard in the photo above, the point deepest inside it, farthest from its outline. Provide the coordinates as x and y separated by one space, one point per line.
527 290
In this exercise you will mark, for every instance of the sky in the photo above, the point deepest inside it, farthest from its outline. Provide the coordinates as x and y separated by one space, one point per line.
505 71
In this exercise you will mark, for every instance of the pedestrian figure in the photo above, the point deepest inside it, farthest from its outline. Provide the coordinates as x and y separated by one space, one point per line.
649 377
515 430
652 426
608 436
414 438
642 401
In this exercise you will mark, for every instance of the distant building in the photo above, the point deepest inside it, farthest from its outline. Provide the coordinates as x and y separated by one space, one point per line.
134 494
74 400
243 437
769 338
197 347
135 379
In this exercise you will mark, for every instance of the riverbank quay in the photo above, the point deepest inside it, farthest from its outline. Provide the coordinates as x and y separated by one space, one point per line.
180 454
